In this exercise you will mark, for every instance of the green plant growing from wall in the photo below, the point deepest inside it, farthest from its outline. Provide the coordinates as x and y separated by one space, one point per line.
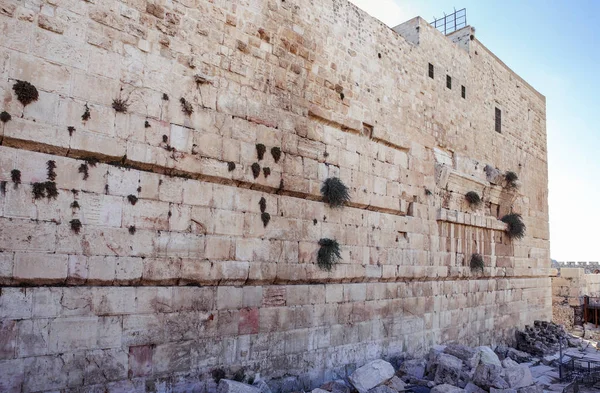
260 151
515 228
186 106
473 199
255 170
132 199
276 153
26 92
511 180
15 176
84 170
51 166
265 217
476 263
334 192
329 254
120 105
46 189
5 117
86 113
262 204
75 225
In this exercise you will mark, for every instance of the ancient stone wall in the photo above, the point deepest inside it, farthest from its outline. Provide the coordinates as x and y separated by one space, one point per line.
136 254
569 286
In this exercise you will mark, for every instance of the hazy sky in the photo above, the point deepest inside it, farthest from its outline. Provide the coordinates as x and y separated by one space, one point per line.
555 46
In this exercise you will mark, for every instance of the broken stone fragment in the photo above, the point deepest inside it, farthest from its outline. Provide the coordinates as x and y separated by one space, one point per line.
413 368
396 383
518 356
472 388
488 375
382 389
446 388
370 375
518 377
447 369
485 355
229 386
508 362
338 386
531 389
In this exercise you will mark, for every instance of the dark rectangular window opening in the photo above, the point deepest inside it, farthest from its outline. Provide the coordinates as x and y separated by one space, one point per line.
431 70
498 120
463 92
448 81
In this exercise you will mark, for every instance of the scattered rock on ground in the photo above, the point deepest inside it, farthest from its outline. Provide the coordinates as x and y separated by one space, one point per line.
445 388
446 369
518 377
472 388
371 375
229 386
518 356
337 386
414 368
485 355
508 362
396 383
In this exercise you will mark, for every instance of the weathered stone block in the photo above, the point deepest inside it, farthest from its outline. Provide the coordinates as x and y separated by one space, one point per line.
371 374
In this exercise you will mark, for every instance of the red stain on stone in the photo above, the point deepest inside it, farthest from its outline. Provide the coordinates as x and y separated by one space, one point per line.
249 318
140 361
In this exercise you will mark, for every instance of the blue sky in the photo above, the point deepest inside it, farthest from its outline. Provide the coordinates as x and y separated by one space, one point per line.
555 46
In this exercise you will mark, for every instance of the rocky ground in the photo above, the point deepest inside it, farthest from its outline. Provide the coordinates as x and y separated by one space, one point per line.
531 367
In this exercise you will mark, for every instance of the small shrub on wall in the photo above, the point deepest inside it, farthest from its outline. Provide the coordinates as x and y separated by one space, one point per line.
473 198
476 263
515 226
511 180
335 192
329 254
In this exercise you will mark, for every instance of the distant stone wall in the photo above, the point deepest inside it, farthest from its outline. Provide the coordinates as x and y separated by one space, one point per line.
569 286
135 253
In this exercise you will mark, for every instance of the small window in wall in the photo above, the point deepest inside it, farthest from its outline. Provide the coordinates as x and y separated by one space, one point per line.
463 92
431 70
498 120
448 81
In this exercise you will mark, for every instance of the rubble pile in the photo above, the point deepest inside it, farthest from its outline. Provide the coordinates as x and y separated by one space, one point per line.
532 367
541 339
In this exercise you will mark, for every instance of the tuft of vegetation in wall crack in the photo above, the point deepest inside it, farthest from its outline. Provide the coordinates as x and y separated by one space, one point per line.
26 92
515 226
329 254
473 199
334 192
476 263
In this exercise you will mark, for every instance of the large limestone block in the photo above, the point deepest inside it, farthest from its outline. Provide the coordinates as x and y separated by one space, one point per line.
447 369
518 377
488 356
229 386
370 375
445 388
414 368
